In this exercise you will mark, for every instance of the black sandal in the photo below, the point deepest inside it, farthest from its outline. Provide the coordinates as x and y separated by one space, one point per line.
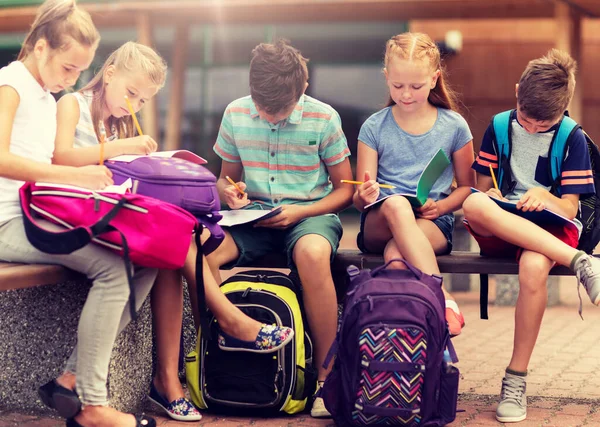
66 402
141 421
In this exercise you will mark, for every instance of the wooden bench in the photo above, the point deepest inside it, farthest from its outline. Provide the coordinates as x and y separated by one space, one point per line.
20 276
458 262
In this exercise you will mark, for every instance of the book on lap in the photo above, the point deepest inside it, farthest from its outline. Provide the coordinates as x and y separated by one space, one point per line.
435 167
246 216
543 217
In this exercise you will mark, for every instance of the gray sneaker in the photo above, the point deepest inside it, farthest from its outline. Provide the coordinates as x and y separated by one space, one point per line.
587 270
513 401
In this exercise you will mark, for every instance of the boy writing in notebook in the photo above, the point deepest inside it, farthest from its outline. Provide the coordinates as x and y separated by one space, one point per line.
290 151
543 94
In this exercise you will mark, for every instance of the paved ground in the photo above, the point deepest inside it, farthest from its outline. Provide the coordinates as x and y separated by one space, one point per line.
563 385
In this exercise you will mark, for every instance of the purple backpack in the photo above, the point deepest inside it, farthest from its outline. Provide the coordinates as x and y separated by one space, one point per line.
179 182
389 367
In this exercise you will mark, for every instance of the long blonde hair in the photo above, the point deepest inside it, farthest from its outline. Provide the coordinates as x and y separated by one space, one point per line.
55 22
419 46
134 57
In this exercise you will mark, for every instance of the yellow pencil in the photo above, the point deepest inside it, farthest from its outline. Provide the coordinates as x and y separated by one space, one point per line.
102 140
494 178
135 120
235 185
346 181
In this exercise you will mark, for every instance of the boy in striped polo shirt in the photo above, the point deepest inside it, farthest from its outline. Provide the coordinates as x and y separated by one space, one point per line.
286 149
543 94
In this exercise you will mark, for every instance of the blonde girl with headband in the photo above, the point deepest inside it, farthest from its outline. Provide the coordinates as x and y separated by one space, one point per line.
139 72
60 45
395 145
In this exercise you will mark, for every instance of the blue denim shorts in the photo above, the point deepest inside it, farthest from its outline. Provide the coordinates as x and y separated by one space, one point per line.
445 223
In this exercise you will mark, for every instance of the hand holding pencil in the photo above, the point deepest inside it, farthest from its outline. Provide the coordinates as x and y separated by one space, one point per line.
368 191
235 196
495 191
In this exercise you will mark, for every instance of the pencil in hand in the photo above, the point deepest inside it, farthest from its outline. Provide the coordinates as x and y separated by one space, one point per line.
135 120
235 185
102 132
346 181
494 178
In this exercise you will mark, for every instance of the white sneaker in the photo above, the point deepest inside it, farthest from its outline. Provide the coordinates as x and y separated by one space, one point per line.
587 270
513 401
318 408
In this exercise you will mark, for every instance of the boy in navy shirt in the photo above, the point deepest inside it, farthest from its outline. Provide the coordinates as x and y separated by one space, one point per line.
543 94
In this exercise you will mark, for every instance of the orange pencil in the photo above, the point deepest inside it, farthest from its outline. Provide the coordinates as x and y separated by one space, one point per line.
135 120
102 140
235 185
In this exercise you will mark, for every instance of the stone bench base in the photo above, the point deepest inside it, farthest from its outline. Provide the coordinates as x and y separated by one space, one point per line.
38 329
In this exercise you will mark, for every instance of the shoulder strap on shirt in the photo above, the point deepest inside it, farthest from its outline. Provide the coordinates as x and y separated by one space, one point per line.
558 149
501 125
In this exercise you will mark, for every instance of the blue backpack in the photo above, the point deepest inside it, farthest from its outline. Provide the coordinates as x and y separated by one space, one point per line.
589 213
389 367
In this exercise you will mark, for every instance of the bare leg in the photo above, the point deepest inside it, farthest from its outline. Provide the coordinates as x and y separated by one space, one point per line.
410 239
167 313
312 255
531 304
486 218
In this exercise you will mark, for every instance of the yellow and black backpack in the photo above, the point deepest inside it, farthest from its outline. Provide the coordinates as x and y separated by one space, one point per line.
232 382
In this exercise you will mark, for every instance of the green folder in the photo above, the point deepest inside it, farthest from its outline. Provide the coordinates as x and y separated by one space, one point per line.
436 166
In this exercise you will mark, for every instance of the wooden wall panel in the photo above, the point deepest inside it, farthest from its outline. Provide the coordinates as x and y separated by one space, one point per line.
495 53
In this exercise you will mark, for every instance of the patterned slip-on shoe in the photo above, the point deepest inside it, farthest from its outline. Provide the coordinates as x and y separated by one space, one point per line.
180 409
270 338
66 402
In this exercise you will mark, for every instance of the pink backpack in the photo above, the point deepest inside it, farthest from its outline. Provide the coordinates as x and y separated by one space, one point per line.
143 230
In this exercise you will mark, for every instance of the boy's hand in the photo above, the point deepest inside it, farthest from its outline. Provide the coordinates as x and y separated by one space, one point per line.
235 199
140 145
368 192
289 215
496 194
533 200
93 177
428 211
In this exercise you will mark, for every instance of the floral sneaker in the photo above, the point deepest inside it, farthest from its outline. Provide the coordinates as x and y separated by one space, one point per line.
270 338
180 409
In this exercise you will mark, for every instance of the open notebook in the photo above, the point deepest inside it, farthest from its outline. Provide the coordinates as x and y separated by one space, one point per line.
119 189
436 166
544 217
246 216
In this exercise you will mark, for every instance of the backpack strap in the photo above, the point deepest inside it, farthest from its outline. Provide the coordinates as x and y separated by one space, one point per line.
558 150
501 125
68 241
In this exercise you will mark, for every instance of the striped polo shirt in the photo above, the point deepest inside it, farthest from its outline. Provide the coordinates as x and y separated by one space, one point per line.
85 135
283 163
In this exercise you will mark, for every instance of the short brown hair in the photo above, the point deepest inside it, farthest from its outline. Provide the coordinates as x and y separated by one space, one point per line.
547 86
278 76
56 21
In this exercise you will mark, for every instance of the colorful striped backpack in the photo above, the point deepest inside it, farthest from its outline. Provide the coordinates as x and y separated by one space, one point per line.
389 367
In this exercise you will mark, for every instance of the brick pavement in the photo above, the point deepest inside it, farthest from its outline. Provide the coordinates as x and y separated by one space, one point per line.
563 384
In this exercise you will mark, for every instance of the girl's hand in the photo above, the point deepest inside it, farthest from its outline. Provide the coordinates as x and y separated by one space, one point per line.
368 192
533 200
429 210
140 145
289 215
235 199
93 177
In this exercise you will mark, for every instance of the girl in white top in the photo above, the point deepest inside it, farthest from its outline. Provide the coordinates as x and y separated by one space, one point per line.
138 72
61 44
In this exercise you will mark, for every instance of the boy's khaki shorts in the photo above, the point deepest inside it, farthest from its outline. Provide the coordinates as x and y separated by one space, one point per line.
255 242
